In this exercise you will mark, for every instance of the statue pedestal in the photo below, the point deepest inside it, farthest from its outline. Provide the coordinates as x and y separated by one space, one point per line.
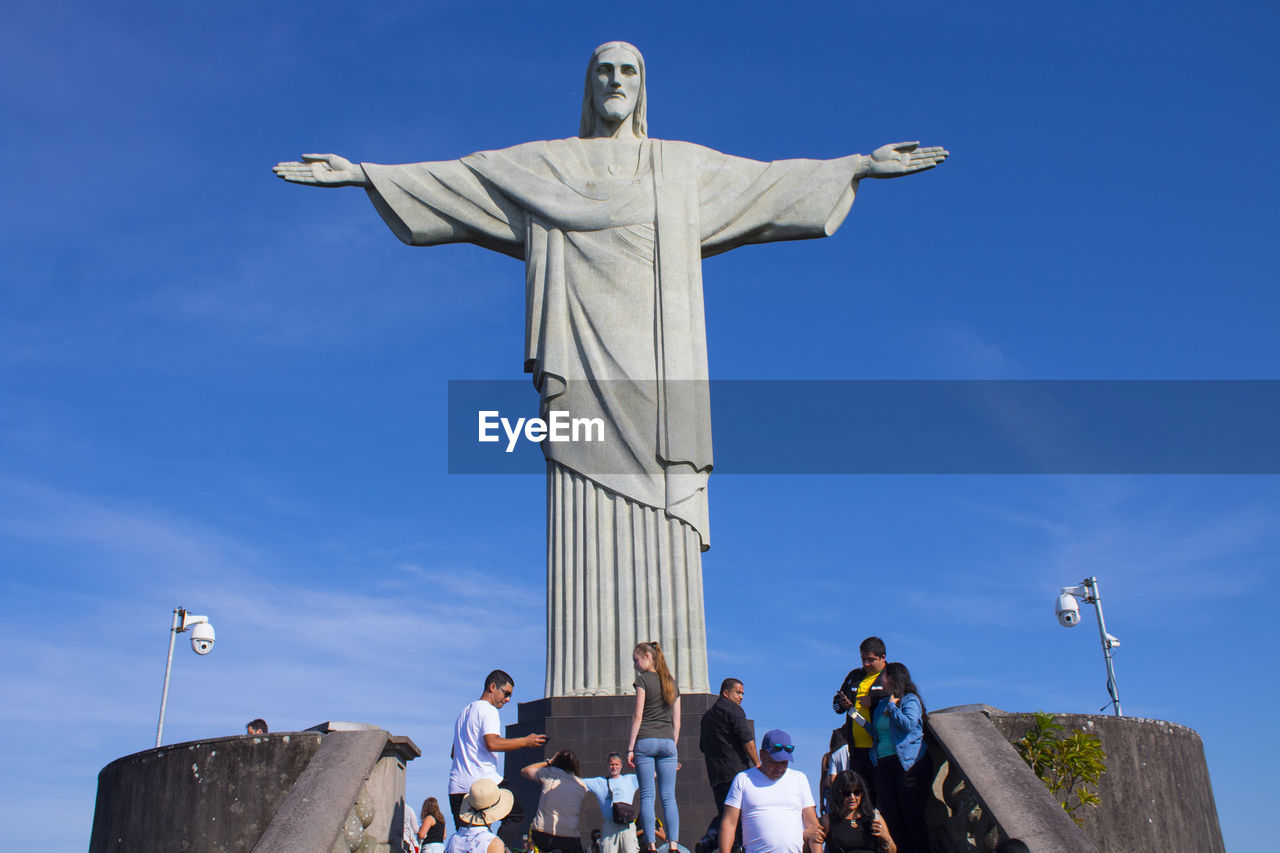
594 726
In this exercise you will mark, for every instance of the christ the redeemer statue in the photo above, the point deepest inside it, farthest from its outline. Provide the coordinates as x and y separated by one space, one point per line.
612 227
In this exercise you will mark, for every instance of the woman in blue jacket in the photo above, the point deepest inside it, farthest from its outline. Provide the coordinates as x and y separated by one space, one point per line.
903 768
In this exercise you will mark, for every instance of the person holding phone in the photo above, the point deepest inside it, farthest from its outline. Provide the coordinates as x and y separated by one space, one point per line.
857 697
555 825
902 765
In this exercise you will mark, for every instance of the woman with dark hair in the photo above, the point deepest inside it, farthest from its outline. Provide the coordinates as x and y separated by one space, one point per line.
655 729
555 826
902 765
852 826
431 832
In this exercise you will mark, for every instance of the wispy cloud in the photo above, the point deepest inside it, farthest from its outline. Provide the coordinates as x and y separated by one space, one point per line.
957 351
132 538
84 666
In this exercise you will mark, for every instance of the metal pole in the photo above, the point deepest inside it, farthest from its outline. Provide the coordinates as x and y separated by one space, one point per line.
1095 597
168 665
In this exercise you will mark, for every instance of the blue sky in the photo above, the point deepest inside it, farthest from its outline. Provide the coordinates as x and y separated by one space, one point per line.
226 393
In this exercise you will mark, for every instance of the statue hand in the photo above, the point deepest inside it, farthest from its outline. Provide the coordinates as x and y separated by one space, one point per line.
321 170
903 158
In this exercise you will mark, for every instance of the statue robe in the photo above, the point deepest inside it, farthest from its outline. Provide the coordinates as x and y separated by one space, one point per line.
612 235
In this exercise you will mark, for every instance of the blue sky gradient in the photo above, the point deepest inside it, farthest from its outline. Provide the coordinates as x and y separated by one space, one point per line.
227 393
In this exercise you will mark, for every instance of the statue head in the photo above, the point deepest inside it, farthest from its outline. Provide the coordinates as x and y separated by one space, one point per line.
614 90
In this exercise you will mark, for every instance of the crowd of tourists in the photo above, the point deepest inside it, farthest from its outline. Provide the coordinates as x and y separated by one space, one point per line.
874 785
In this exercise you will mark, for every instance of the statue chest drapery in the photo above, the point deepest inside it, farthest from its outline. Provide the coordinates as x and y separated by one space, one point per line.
615 325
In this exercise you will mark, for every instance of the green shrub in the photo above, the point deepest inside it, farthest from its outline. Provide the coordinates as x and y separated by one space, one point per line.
1066 764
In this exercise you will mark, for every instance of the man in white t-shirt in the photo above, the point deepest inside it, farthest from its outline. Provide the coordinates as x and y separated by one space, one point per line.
774 802
477 738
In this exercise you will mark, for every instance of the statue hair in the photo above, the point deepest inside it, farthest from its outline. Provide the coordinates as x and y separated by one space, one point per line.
639 116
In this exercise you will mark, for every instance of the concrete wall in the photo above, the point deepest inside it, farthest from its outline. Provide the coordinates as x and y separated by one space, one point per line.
336 789
1155 794
987 793
294 788
209 795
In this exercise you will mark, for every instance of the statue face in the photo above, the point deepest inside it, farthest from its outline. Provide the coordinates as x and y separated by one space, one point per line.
615 85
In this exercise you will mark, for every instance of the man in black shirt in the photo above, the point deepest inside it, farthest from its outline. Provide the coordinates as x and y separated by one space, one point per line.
727 741
859 693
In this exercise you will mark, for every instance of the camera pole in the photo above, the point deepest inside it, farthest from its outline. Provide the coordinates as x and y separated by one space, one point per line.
179 616
1094 597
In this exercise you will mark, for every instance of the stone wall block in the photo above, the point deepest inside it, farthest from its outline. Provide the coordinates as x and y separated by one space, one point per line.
364 805
326 790
1156 793
352 830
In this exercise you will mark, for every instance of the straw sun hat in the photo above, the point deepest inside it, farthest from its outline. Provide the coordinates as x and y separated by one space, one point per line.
485 803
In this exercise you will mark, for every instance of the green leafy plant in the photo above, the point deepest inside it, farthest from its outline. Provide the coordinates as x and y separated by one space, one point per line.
1067 764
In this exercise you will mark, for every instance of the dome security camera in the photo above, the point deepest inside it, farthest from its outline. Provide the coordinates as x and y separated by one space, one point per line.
1067 610
202 638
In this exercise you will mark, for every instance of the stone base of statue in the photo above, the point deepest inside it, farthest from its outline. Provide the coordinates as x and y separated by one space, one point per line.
594 726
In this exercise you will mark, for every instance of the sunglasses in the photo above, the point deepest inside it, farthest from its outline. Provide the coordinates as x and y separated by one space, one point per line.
507 693
788 748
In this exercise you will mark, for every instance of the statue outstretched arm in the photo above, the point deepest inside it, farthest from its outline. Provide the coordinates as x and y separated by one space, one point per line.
901 158
322 170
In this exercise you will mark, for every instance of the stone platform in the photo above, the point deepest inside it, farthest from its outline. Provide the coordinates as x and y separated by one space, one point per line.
594 726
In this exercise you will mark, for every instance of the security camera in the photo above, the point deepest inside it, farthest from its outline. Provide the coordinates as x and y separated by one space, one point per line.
1068 611
202 638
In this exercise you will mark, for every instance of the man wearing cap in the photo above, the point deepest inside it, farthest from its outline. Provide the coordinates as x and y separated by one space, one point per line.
773 801
482 806
477 739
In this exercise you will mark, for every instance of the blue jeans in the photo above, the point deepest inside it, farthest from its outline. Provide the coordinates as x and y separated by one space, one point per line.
659 753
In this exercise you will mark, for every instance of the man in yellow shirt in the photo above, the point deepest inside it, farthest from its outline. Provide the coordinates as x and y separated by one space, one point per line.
856 699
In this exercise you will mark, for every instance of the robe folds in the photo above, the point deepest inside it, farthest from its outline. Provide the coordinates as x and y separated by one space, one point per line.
612 235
